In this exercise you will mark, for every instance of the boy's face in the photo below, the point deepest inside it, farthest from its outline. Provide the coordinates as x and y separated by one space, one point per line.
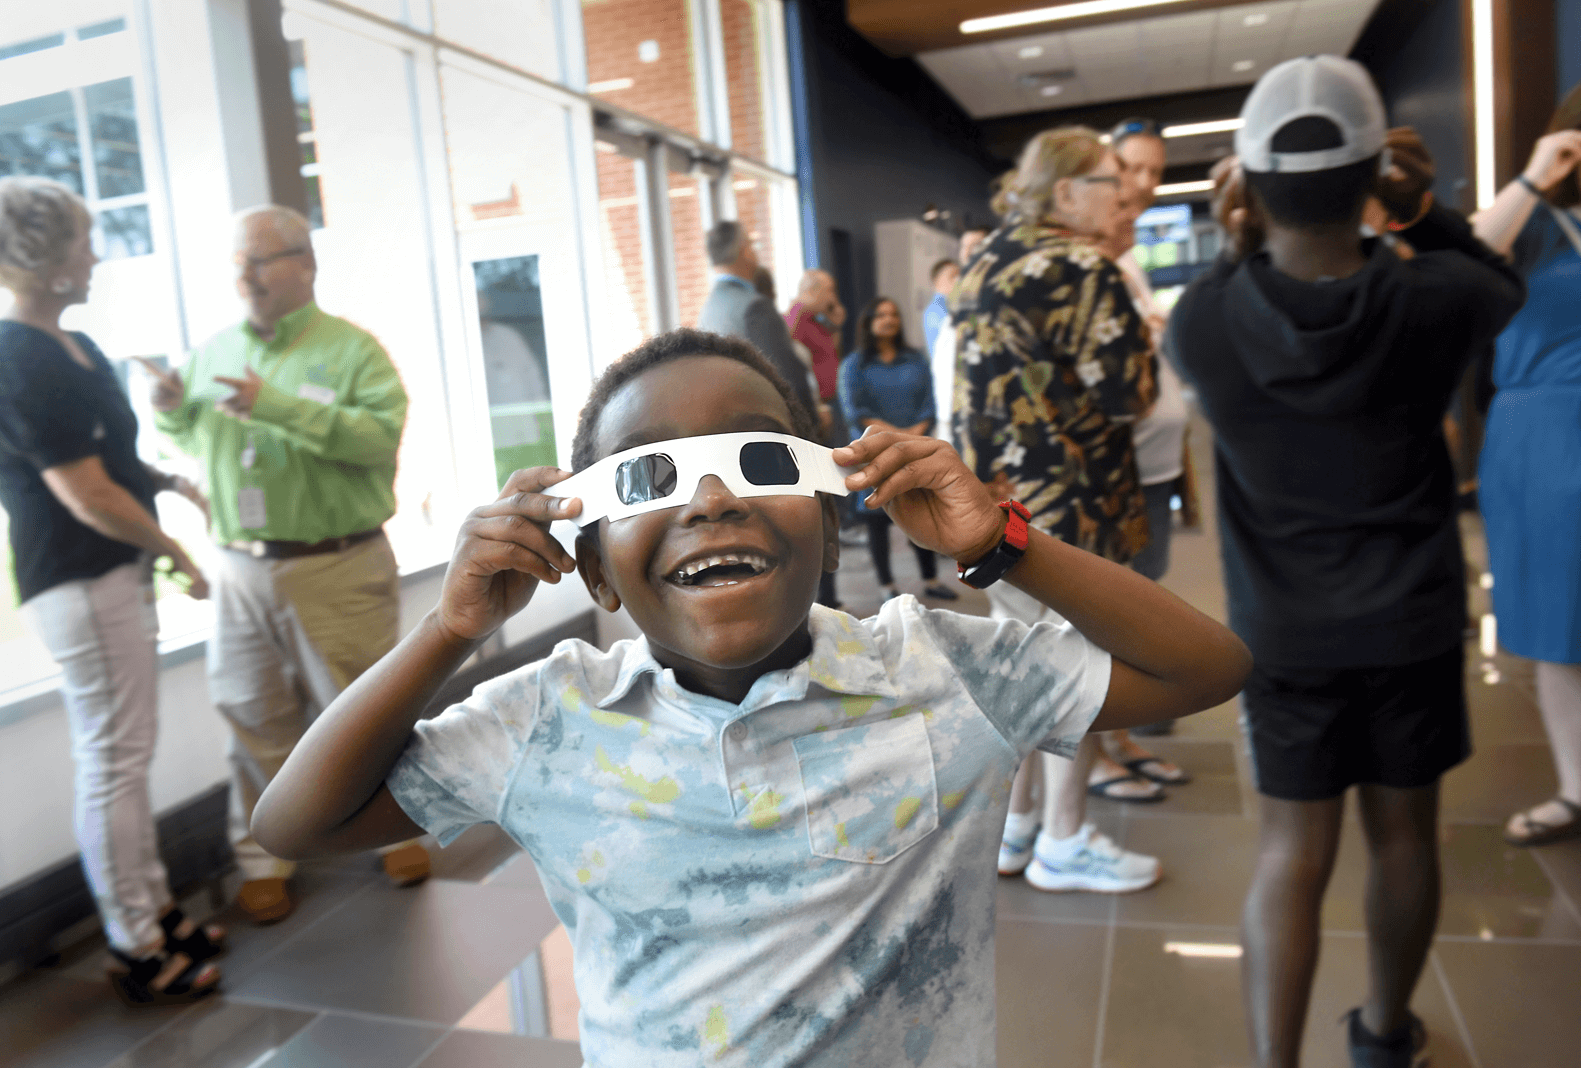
732 625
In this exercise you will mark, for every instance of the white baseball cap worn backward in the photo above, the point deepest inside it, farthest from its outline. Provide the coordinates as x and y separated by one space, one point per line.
1328 87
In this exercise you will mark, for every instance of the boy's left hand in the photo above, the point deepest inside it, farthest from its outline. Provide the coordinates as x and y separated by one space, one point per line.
927 490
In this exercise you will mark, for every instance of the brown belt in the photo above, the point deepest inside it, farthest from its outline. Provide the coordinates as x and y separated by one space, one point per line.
286 550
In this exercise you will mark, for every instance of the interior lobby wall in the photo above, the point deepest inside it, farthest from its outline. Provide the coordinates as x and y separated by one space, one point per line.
1423 81
882 146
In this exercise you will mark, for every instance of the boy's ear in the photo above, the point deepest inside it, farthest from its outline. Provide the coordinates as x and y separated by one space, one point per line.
590 565
831 532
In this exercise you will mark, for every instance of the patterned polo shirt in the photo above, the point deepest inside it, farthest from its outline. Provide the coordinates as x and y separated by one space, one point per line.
806 878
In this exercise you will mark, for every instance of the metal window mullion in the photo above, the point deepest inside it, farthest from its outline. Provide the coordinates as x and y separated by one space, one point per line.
90 173
722 195
714 90
658 246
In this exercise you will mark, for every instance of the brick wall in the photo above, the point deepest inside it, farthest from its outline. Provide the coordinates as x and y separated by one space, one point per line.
663 90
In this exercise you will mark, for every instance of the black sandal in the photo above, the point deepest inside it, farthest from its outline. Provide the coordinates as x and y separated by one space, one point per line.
134 980
206 941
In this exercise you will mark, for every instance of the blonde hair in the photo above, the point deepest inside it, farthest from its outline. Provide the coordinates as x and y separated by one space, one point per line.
1027 193
39 219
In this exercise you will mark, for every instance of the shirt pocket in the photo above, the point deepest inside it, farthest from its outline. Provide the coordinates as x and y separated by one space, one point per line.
869 790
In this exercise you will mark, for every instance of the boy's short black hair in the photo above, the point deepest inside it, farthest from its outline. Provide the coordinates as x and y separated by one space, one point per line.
940 267
1313 198
660 350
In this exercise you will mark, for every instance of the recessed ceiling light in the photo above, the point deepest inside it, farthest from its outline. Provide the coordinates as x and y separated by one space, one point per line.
1052 90
1182 188
1056 14
1030 52
1190 129
1258 19
1241 66
1222 950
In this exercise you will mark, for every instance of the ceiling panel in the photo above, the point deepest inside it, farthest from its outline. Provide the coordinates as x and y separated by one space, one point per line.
1327 26
1177 51
976 80
1183 52
1108 59
1038 52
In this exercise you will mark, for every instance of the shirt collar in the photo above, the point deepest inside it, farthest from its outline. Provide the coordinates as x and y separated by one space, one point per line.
290 326
844 659
734 279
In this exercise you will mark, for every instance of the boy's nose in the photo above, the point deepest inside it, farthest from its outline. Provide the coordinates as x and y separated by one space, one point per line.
712 501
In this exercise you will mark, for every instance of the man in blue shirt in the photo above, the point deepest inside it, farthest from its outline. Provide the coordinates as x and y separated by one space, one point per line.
944 275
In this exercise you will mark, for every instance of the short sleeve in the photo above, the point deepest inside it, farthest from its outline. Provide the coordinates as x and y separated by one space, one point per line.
457 767
40 421
1041 685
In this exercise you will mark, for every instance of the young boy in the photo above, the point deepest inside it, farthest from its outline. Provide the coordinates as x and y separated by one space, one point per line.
768 827
1325 364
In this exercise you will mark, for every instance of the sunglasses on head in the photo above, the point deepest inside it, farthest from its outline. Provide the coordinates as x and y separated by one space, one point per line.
665 474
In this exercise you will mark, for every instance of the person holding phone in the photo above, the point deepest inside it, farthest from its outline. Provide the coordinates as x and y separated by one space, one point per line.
84 537
296 415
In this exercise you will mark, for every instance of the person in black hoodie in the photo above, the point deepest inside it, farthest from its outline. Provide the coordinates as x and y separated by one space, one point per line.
1325 363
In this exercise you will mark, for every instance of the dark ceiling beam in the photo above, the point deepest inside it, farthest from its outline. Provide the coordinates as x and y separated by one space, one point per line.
1004 136
906 27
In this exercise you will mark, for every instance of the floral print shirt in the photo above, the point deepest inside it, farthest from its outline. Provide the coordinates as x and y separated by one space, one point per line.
806 878
1052 363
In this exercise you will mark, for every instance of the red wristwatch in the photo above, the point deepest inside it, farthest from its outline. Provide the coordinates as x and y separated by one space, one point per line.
993 567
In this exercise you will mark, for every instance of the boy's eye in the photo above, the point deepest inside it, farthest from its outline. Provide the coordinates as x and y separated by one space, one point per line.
645 478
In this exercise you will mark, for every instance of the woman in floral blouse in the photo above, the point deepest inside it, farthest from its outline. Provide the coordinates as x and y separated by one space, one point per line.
1054 362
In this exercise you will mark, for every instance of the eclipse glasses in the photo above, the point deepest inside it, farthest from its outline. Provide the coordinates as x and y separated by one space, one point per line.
665 474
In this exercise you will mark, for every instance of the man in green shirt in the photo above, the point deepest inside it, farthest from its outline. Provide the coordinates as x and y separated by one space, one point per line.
296 415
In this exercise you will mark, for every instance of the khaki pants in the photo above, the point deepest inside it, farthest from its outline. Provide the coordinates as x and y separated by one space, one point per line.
289 636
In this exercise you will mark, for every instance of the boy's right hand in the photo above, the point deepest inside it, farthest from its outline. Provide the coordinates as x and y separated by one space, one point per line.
503 551
1233 210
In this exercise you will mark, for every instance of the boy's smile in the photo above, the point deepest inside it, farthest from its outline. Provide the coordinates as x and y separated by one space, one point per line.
720 585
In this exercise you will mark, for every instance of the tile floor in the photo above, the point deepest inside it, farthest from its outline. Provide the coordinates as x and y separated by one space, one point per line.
471 971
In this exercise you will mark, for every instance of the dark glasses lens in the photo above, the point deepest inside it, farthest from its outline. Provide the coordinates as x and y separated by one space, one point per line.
645 478
769 463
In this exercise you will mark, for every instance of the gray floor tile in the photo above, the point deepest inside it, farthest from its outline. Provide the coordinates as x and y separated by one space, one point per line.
1050 980
428 954
1341 985
333 1041
319 893
1519 1001
477 1049
1166 1008
1207 866
1497 781
57 1022
217 1034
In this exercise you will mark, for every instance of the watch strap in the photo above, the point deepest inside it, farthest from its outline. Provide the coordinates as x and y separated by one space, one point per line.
993 567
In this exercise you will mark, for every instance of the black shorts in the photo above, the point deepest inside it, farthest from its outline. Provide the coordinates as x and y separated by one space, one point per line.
1314 732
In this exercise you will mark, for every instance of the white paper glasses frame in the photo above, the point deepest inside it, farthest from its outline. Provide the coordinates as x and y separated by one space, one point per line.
665 474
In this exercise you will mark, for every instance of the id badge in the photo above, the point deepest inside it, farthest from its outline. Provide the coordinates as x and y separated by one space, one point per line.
317 394
250 511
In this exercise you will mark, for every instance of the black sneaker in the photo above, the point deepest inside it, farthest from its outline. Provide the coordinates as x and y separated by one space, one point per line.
1405 1048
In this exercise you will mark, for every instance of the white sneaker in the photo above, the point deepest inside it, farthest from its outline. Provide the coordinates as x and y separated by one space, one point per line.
1091 862
1015 854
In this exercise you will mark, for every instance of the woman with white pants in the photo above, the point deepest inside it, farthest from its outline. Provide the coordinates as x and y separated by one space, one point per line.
83 538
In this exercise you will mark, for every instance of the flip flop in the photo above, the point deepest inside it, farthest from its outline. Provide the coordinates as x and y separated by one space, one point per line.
1139 766
1103 790
1543 833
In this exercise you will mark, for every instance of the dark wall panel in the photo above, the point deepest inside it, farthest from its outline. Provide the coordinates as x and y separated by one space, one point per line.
885 143
1420 69
1568 37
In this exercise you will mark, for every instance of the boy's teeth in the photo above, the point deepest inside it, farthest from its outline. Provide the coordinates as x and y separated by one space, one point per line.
752 560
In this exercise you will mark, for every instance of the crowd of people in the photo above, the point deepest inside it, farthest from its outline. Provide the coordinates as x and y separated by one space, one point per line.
766 823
